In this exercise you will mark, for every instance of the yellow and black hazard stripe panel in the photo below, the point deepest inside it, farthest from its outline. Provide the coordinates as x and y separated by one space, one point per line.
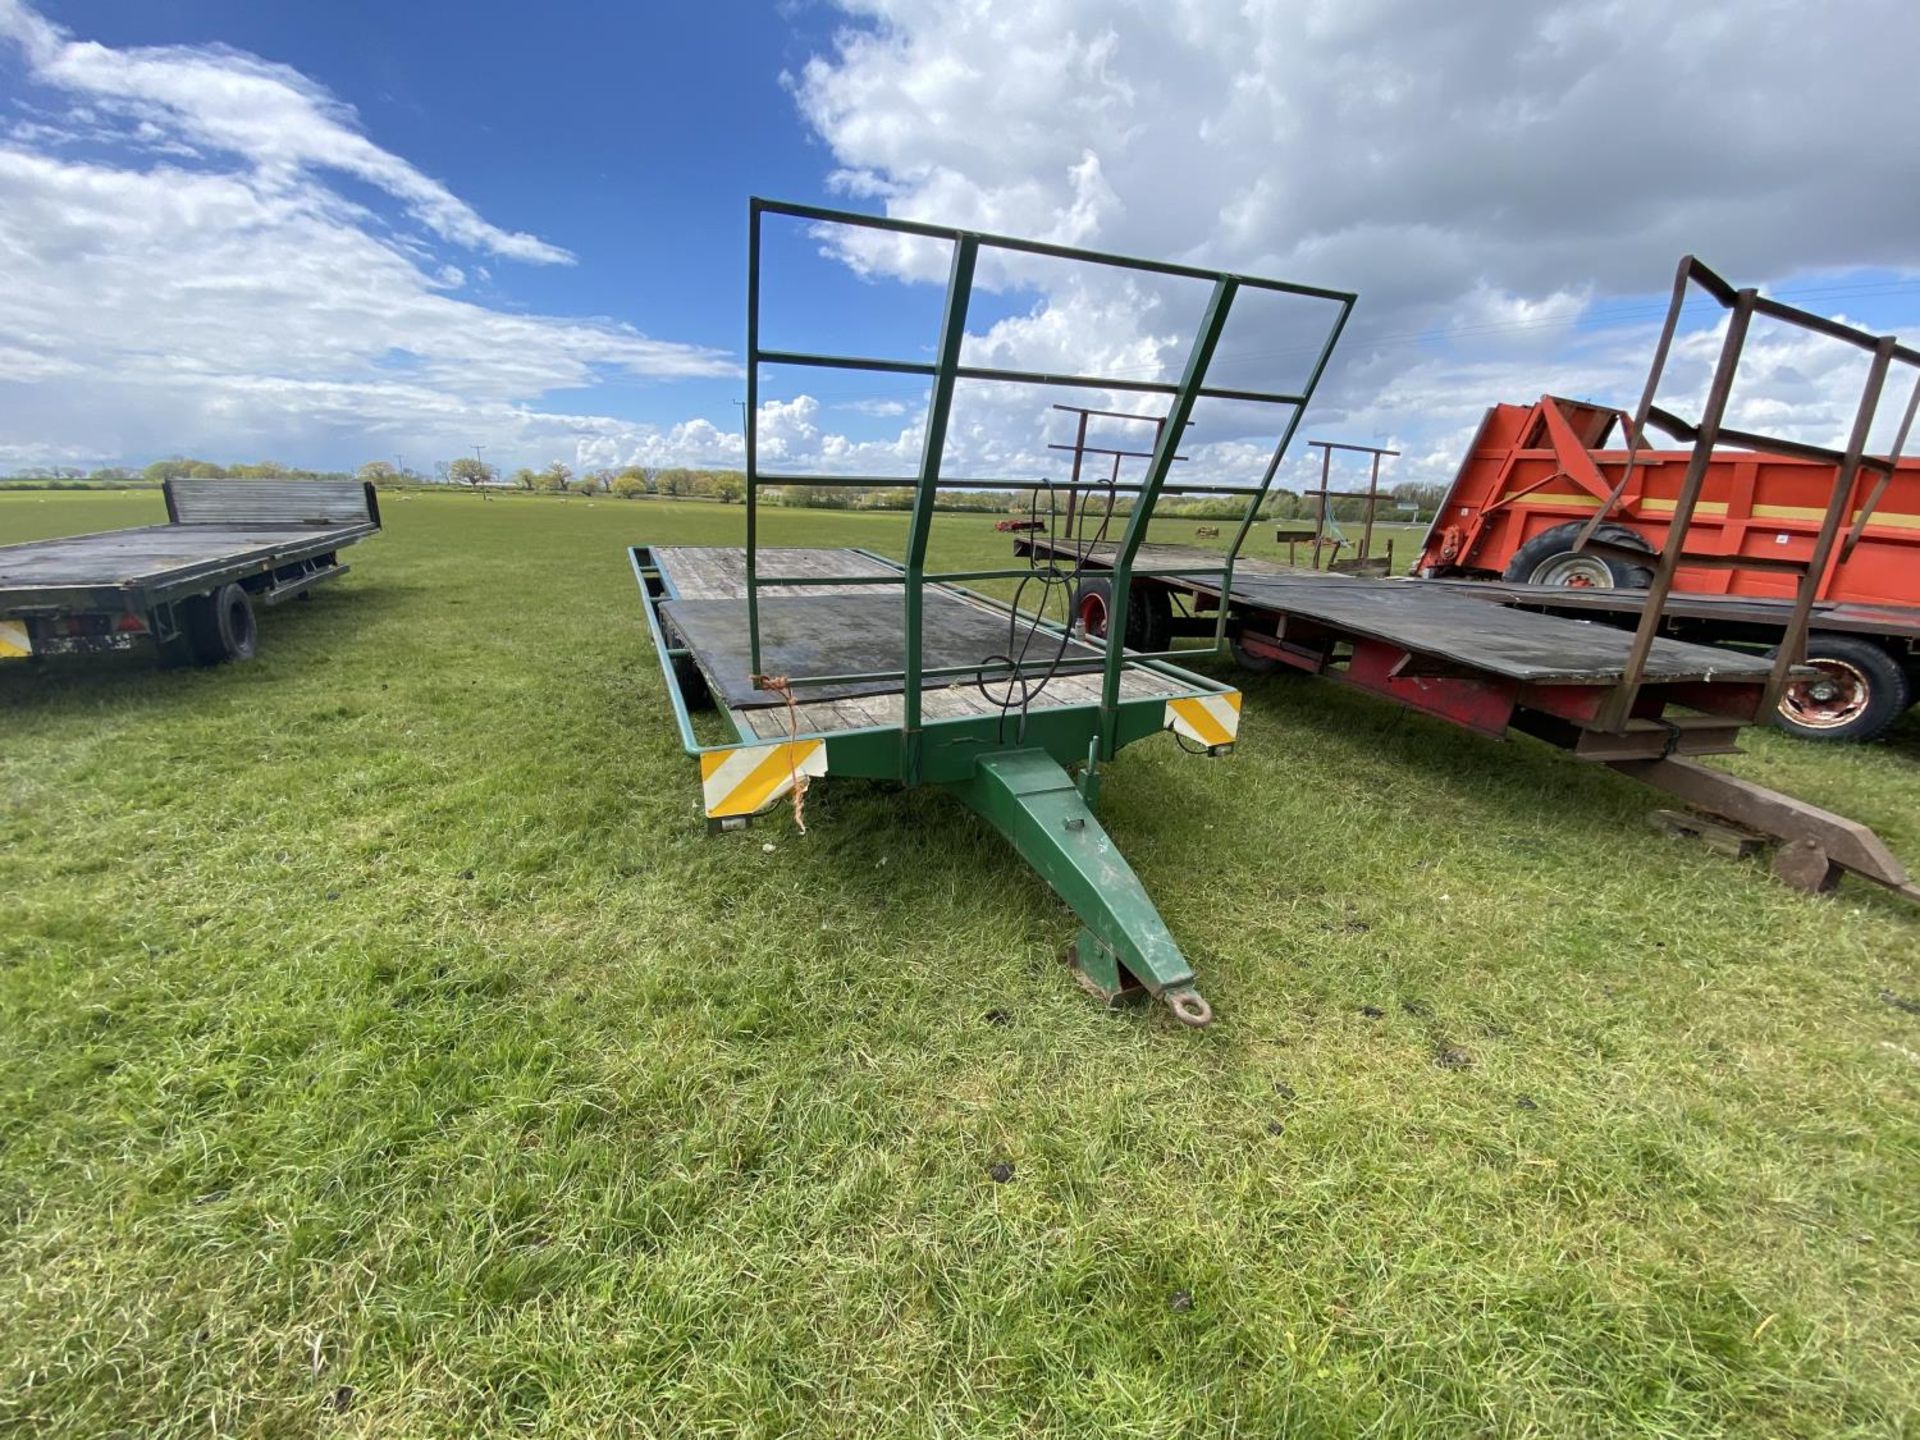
15 643
1213 720
746 781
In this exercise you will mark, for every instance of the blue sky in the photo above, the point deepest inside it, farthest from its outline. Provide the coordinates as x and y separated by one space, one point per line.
325 233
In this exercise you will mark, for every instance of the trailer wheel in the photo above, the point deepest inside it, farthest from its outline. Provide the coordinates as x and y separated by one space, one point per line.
220 626
1859 693
1254 664
1550 559
1149 613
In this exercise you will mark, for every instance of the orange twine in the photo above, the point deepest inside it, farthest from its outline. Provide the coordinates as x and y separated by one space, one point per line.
780 686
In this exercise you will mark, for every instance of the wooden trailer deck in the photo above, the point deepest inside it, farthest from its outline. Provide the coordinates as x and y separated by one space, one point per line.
217 531
157 557
1761 615
857 629
1427 620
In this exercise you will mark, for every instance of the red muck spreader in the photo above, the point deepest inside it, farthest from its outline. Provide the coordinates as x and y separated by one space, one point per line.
1556 516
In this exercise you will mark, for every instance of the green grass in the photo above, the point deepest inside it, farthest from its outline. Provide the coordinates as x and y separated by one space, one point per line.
387 1051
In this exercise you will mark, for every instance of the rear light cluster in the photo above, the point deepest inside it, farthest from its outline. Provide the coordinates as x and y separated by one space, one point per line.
96 624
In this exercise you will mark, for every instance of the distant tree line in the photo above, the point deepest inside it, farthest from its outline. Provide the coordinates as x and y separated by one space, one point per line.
173 468
183 467
1410 500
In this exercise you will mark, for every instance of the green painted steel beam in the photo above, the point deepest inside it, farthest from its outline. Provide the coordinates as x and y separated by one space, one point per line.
1212 322
750 427
1124 948
953 334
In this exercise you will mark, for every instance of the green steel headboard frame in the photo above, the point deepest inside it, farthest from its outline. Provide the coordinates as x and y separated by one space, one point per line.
945 371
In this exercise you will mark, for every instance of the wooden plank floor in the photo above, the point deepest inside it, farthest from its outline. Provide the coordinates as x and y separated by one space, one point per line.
1740 609
771 722
1164 557
719 572
1515 644
1435 621
710 582
154 552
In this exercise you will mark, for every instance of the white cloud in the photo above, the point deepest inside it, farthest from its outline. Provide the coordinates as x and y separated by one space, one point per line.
268 115
184 269
1486 172
791 441
237 304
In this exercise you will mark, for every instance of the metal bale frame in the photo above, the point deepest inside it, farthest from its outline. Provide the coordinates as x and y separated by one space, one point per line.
946 370
1711 431
1327 495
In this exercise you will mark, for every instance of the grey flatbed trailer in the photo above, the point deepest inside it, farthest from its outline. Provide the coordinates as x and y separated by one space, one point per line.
186 588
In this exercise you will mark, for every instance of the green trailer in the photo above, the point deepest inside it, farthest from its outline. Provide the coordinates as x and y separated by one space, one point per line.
844 662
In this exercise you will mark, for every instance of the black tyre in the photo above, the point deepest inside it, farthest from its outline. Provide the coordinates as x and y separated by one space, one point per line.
1550 559
219 627
1149 613
1254 664
1860 691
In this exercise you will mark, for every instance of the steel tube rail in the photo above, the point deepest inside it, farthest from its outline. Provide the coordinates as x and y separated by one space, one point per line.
1774 444
1874 496
953 334
1792 649
1016 377
1710 431
1108 414
1286 439
1212 323
845 362
1011 487
1620 704
1035 247
947 369
751 426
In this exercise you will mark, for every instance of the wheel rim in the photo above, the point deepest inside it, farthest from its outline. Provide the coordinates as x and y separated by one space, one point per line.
1092 615
1572 571
1838 696
240 625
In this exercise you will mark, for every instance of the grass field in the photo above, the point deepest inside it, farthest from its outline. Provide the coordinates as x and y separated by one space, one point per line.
388 1052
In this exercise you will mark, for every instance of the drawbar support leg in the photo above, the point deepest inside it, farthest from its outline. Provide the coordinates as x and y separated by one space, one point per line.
1816 845
1123 949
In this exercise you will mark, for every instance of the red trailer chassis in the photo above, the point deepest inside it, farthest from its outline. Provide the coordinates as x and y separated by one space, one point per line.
1537 474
